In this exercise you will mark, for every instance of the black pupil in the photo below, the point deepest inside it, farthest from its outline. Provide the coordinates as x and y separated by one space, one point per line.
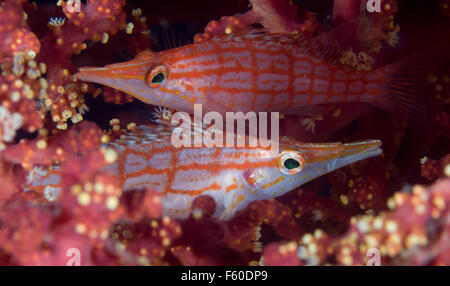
158 78
291 164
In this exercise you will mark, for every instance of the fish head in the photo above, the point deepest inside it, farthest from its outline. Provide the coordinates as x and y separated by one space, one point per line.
147 77
297 163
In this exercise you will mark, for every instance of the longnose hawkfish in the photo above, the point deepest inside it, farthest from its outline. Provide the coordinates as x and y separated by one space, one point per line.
232 176
260 71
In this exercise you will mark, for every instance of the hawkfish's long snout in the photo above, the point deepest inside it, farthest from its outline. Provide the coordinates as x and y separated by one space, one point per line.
128 77
320 159
356 151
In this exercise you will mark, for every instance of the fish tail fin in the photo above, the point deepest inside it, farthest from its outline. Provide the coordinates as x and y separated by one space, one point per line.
405 92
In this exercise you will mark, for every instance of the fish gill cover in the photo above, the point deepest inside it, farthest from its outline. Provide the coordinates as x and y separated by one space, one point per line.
75 141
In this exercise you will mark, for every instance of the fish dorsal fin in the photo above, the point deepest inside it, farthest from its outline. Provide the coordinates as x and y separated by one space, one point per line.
173 38
199 129
163 116
322 47
160 131
263 35
143 135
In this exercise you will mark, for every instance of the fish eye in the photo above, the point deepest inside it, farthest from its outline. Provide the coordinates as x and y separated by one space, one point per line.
158 78
157 75
290 162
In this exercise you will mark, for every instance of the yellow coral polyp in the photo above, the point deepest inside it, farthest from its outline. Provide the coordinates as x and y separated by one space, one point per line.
66 114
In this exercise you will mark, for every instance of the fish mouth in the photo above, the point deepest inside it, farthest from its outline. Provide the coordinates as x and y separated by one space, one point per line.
103 76
119 71
136 68
127 77
356 151
363 148
109 73
92 74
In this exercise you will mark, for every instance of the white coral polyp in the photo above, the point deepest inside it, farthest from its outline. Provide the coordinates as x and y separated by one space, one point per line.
10 123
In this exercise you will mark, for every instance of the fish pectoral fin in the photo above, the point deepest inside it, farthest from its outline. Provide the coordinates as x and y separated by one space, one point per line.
227 214
230 206
213 103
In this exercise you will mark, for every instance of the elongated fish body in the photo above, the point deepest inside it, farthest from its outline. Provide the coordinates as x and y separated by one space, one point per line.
232 176
252 72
